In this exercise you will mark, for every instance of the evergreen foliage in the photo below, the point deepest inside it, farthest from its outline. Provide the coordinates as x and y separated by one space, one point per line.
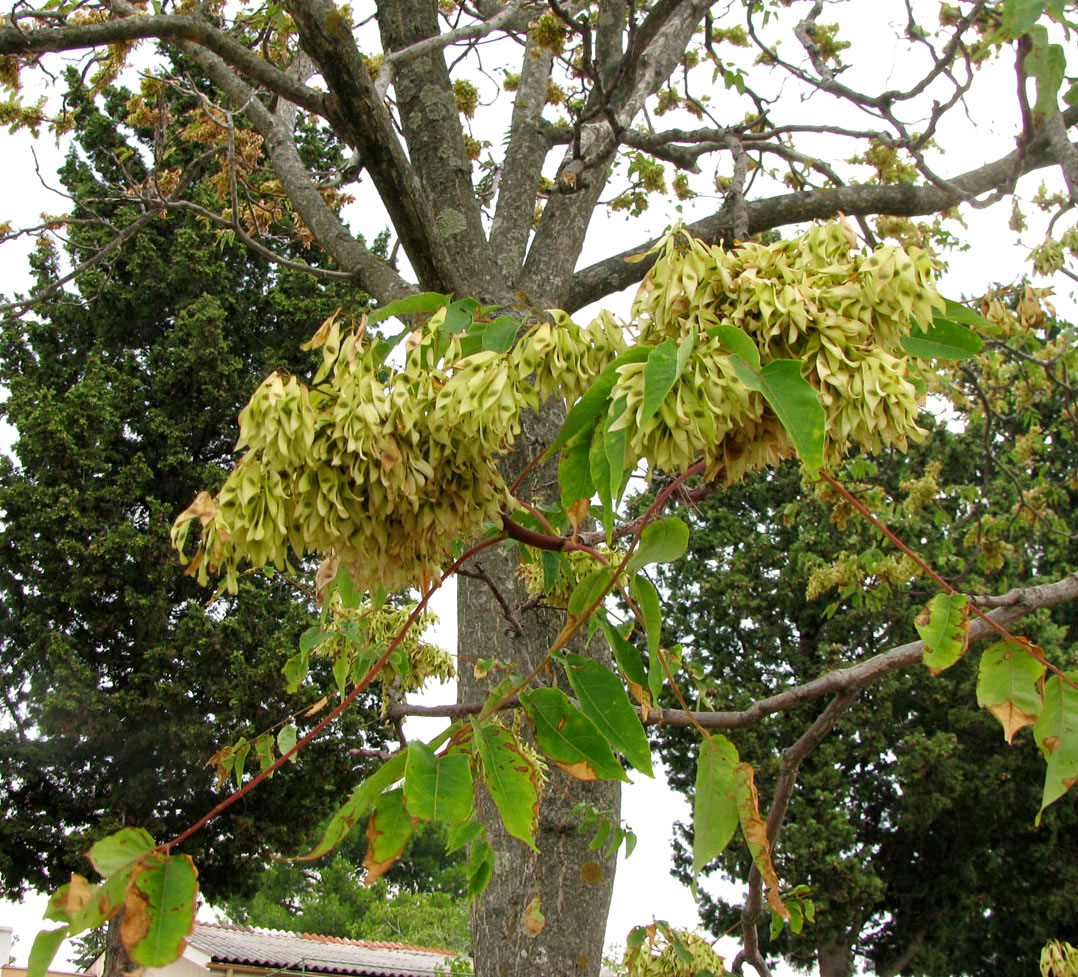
913 822
119 679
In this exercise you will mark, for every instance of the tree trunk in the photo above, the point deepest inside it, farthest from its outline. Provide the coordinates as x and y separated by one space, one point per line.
573 882
835 960
117 962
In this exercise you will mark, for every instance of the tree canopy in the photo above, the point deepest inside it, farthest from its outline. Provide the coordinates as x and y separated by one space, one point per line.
930 815
118 679
750 339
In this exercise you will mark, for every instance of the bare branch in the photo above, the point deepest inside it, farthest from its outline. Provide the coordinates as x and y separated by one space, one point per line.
507 16
528 146
121 238
903 200
1019 603
166 27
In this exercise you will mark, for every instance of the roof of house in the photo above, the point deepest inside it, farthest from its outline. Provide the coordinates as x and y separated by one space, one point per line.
307 953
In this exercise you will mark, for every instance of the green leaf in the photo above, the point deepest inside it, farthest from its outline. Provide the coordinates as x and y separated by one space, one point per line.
603 700
160 908
738 342
500 334
510 778
602 835
462 834
357 805
1048 65
459 315
646 598
114 853
342 669
1008 685
286 739
715 814
409 305
574 473
616 446
437 788
662 541
962 313
660 375
592 405
797 918
944 628
569 737
599 470
1056 733
553 564
943 340
388 831
47 944
295 670
589 590
626 655
480 867
264 745
794 402
1020 15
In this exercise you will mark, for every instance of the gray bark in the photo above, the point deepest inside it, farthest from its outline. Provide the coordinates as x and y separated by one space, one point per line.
118 962
835 960
574 883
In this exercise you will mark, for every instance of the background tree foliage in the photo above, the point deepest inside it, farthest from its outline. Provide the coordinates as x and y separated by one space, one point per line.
422 900
912 823
119 681
753 116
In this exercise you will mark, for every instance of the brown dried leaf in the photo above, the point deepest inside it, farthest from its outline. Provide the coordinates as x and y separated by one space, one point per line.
755 831
577 513
534 920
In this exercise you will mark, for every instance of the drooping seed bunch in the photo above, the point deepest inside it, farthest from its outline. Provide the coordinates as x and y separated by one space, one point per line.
814 299
386 467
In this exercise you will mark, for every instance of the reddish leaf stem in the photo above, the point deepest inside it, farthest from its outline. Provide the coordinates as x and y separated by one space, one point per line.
995 625
345 703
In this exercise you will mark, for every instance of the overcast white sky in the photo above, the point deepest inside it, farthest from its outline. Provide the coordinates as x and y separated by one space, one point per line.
644 888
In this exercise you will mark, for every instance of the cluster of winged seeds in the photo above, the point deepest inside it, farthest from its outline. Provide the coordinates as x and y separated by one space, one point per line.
815 299
382 467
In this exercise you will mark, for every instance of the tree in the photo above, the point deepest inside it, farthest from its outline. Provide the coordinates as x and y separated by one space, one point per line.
914 790
117 677
604 71
421 901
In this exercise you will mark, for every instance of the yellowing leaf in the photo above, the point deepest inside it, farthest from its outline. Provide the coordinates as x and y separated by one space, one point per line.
755 831
159 910
358 804
569 737
510 778
534 920
944 628
1056 733
388 831
1009 684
